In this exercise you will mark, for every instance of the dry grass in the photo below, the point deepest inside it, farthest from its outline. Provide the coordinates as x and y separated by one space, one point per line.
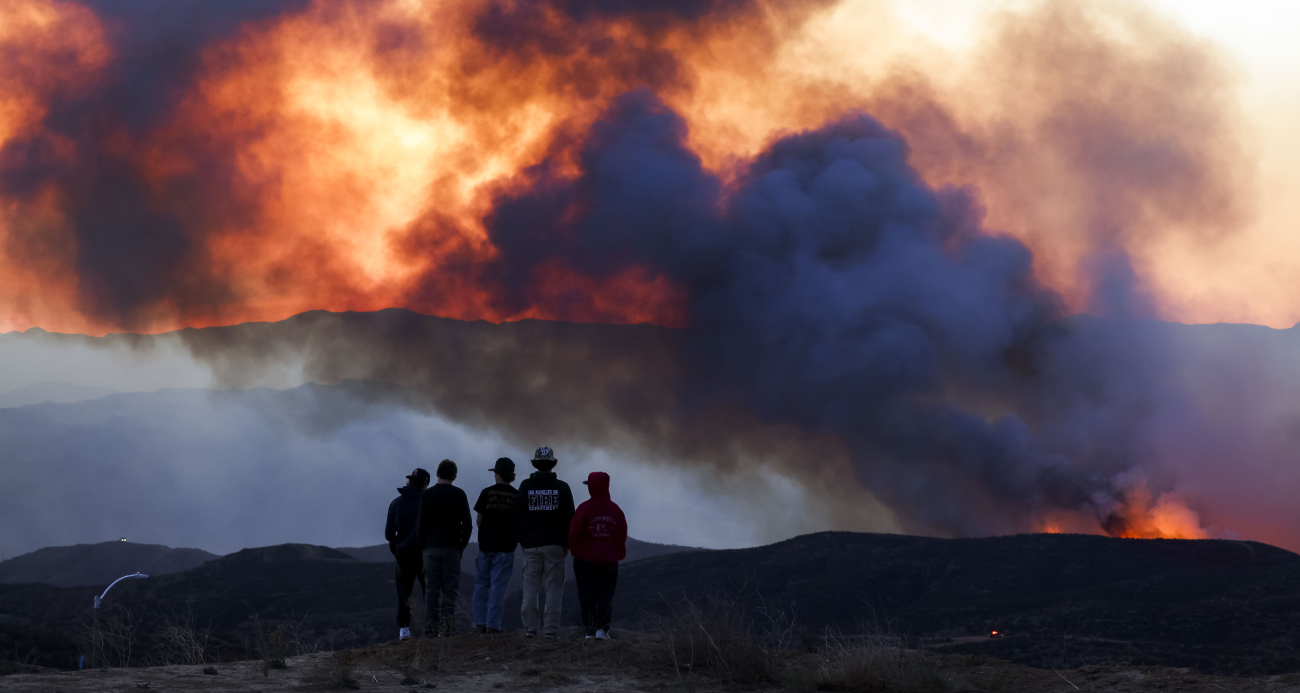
110 636
747 646
869 664
335 673
541 661
178 640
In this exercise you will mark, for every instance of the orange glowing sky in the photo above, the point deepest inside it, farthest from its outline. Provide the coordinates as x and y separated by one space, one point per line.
356 173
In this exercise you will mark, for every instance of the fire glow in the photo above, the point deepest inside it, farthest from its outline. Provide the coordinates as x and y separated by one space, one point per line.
355 156
343 155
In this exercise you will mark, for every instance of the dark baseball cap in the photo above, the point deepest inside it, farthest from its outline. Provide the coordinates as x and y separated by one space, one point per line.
504 465
419 474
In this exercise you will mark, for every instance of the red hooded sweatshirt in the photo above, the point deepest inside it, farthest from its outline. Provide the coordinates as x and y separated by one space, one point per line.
598 531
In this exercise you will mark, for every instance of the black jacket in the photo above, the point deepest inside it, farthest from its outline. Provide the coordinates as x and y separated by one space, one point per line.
543 511
402 515
444 519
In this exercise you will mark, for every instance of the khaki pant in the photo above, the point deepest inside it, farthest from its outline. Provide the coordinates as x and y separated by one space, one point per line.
543 571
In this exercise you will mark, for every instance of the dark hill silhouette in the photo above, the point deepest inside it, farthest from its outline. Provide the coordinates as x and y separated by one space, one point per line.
636 550
60 392
1219 606
97 564
1230 606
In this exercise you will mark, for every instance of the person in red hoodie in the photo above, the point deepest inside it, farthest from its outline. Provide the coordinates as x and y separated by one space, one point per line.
598 540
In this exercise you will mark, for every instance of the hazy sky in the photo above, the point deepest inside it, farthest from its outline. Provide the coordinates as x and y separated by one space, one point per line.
1248 273
223 473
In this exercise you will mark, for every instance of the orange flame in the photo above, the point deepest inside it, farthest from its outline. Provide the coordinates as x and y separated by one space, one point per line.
1168 517
1137 515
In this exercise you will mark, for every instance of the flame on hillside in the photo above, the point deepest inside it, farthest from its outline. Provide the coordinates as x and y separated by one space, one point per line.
1138 514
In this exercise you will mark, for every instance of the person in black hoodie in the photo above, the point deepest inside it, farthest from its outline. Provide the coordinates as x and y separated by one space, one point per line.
400 533
542 514
443 530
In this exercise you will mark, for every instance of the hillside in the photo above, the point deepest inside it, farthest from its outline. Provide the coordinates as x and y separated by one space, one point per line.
98 564
59 392
636 550
1063 600
1223 607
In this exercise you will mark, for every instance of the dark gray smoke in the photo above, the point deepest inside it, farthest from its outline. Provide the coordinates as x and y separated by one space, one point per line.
833 293
833 290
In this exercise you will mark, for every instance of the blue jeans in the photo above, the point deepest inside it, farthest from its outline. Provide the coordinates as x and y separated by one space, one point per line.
491 577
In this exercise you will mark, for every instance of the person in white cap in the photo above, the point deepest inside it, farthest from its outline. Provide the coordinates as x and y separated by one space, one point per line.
542 514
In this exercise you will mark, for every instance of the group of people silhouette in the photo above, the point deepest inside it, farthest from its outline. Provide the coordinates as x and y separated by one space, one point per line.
429 526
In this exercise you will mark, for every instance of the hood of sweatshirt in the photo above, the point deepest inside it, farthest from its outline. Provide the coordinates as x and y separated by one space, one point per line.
410 491
598 484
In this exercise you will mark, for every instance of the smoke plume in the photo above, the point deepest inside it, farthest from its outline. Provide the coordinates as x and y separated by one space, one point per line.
846 278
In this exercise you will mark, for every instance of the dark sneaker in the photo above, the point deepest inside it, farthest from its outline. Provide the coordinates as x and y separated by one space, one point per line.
495 631
530 634
551 636
480 629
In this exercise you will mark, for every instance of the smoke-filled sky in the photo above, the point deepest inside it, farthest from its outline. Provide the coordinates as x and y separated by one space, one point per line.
869 228
172 164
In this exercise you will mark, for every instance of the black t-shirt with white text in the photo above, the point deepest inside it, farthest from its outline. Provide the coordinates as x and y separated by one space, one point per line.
497 532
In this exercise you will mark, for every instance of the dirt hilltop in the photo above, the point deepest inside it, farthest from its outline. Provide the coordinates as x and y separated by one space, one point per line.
632 663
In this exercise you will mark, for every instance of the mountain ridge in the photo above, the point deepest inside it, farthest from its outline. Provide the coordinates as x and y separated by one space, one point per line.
1221 606
94 564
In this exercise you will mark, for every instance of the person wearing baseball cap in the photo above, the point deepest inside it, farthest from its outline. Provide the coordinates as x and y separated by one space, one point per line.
542 513
495 519
400 533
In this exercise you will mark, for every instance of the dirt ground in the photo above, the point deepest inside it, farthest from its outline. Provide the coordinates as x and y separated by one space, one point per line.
512 663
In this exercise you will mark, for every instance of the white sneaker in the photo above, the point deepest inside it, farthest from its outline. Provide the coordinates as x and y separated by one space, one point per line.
404 634
591 637
602 635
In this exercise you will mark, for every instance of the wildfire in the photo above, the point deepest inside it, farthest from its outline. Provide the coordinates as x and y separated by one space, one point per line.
1136 515
1168 517
343 155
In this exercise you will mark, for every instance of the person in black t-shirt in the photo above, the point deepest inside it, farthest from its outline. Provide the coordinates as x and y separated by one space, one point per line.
496 546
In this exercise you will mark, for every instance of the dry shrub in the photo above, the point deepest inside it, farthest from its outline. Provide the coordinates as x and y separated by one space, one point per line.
334 673
737 645
752 645
272 646
299 639
868 664
110 636
178 640
23 665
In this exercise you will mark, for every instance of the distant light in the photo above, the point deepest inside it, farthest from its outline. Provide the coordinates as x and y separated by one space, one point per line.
122 539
